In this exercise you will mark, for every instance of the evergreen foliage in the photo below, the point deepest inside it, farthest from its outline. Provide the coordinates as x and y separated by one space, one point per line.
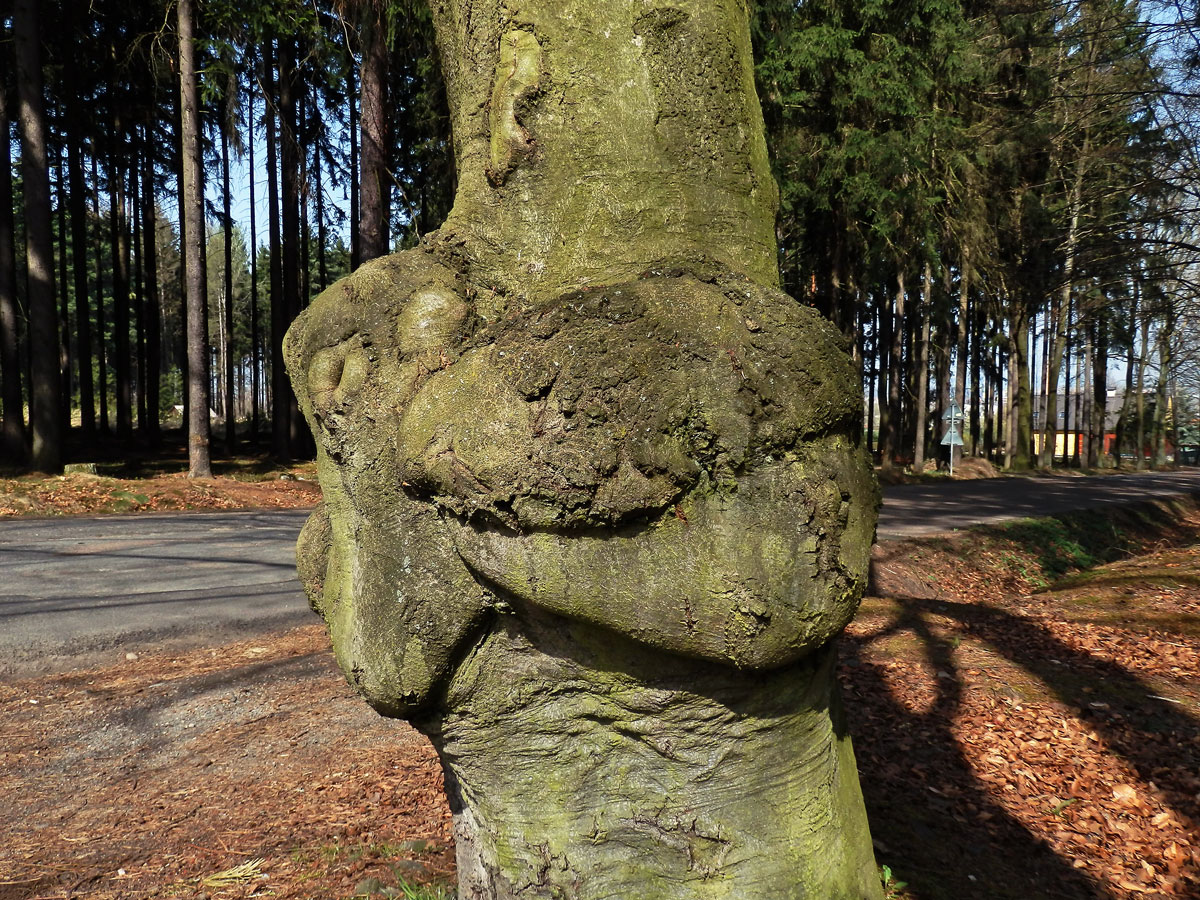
995 201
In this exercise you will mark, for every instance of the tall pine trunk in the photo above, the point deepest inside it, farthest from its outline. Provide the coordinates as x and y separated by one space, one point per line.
890 440
1021 438
961 362
255 355
1057 338
153 294
1140 397
925 314
375 182
1123 417
883 343
1161 388
139 286
46 383
353 165
227 348
198 426
12 410
976 356
280 392
1099 391
871 361
77 199
289 170
319 198
101 319
119 246
1068 385
64 294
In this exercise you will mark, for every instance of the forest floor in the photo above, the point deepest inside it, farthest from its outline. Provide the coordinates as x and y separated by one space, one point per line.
246 482
1024 702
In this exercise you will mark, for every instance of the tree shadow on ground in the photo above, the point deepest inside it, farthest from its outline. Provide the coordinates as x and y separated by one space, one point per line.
935 822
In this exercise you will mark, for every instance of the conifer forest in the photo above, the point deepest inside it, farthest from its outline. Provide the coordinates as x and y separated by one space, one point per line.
997 203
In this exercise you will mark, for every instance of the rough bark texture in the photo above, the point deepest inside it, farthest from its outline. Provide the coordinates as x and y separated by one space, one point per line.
77 200
374 206
45 382
12 411
595 504
281 430
199 432
153 299
119 247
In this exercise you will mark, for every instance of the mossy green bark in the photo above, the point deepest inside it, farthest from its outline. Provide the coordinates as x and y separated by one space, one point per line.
585 767
595 508
597 138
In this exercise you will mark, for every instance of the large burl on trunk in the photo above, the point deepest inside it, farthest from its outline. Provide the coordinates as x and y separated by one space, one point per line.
595 505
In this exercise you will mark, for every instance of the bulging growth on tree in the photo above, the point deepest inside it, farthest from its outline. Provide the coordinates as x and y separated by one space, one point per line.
595 505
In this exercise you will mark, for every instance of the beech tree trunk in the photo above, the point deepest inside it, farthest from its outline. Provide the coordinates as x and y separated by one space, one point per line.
596 503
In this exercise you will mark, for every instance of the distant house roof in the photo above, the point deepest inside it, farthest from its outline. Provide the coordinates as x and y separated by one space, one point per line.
1070 415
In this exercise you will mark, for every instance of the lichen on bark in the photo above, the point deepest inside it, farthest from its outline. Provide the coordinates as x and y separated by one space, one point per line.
595 505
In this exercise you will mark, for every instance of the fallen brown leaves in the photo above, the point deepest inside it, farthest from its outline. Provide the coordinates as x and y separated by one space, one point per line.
77 494
1016 741
145 778
1026 745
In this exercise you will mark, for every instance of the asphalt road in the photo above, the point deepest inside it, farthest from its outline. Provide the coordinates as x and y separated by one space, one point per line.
105 586
910 510
80 587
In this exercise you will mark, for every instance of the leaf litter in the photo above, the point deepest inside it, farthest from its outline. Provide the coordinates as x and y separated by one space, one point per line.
1017 737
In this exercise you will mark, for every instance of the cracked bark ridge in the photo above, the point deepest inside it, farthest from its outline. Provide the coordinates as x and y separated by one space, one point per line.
595 507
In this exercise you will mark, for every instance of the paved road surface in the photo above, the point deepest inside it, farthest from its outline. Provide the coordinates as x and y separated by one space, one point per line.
913 509
72 588
88 586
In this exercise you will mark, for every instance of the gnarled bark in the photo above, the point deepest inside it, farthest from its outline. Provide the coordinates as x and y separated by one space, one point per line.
595 502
